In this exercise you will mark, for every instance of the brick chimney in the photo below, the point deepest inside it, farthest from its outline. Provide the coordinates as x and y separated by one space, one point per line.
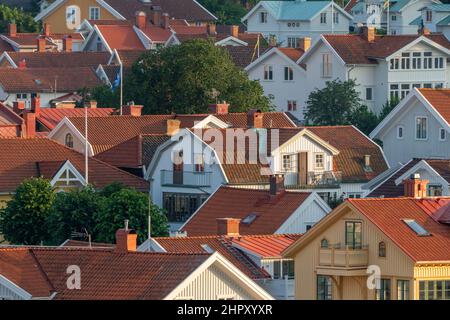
156 15
165 20
228 227
47 29
29 119
255 118
67 44
276 184
424 31
92 104
211 29
132 110
18 106
304 43
173 126
22 64
12 29
368 33
235 31
219 108
36 105
126 239
415 187
41 41
141 20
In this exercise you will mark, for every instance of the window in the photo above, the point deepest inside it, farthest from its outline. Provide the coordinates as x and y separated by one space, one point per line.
434 190
319 161
283 269
326 65
69 141
249 218
268 72
406 60
400 132
263 17
324 288
199 163
404 90
434 290
292 42
394 92
323 18
288 162
416 227
288 74
353 195
428 16
292 105
382 249
438 62
428 85
353 234
21 96
402 289
421 128
393 17
336 17
416 60
394 64
94 13
72 17
180 206
369 94
442 134
427 60
384 292
324 244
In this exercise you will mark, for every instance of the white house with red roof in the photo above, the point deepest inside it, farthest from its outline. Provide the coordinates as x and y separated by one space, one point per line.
417 128
384 67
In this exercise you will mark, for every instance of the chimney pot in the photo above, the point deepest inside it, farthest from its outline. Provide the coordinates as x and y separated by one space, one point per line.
126 240
165 21
255 118
36 105
415 187
173 126
141 20
228 227
132 110
219 108
12 28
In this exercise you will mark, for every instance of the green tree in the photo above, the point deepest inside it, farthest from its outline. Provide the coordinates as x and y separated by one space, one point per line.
24 20
387 108
23 221
128 204
73 211
188 77
364 119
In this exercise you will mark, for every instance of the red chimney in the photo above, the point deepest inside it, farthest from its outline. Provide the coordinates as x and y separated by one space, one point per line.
228 227
47 29
22 64
368 33
12 28
235 31
18 106
41 41
165 20
219 108
126 240
156 15
276 182
67 44
141 20
132 110
255 119
173 126
30 124
36 105
415 187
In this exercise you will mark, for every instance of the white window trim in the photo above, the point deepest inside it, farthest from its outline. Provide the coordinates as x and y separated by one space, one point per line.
284 73
264 72
403 132
368 87
90 11
415 128
445 138
315 161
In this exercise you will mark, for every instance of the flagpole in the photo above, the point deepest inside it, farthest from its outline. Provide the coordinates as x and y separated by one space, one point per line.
388 17
332 17
86 156
121 87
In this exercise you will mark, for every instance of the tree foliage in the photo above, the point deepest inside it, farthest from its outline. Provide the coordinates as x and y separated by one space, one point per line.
188 77
24 20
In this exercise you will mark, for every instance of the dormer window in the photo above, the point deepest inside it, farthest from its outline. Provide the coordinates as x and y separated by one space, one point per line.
323 18
263 17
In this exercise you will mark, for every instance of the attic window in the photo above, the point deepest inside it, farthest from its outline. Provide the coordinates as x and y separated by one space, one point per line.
416 227
249 219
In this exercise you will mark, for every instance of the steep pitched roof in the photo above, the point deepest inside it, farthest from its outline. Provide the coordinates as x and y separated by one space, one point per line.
10 122
106 274
265 246
440 100
229 202
40 156
388 214
121 37
293 53
60 59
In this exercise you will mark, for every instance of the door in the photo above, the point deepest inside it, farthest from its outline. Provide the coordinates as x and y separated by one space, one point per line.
302 168
178 168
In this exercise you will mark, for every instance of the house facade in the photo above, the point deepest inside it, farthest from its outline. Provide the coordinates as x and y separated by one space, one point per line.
376 249
384 67
436 17
417 127
286 21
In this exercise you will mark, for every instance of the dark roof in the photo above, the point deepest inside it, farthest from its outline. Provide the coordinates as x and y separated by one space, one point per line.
60 59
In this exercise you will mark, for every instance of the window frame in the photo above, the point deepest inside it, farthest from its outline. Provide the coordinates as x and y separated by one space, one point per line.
402 128
326 293
268 72
68 144
416 127
263 17
91 10
316 154
385 290
355 245
371 93
442 130
292 105
405 293
323 18
382 250
288 73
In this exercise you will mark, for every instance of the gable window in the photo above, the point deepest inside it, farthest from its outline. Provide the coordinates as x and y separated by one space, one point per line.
319 161
69 140
288 74
323 18
421 128
292 105
406 60
268 72
324 244
94 13
288 162
384 292
263 17
402 289
416 60
336 17
442 134
427 60
324 288
353 234
382 249
394 64
434 190
428 16
326 65
369 94
400 132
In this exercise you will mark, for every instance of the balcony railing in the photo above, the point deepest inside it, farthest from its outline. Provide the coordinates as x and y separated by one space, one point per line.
324 179
185 178
344 258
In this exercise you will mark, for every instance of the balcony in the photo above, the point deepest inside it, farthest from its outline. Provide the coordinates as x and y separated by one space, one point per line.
185 179
323 179
343 261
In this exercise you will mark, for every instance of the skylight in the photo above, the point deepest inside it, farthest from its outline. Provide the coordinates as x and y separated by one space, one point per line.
207 248
249 219
416 227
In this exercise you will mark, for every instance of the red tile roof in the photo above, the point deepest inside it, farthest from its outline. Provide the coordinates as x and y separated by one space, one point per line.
157 33
50 117
388 214
121 37
29 40
60 59
440 100
10 123
293 53
354 49
265 246
106 274
229 202
28 158
5 46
